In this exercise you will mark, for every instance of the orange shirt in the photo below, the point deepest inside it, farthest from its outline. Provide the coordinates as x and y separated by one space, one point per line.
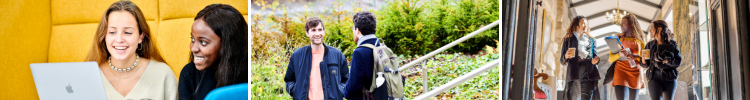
315 91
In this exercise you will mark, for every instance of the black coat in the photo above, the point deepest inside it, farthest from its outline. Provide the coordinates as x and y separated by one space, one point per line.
579 68
360 75
665 51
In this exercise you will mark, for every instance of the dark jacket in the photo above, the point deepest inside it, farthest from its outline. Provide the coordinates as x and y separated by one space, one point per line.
195 84
579 68
665 51
334 73
360 76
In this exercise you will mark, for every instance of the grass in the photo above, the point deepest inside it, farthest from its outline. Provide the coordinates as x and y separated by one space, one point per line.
443 68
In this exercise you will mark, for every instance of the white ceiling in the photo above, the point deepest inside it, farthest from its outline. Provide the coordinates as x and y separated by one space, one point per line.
652 1
635 7
594 10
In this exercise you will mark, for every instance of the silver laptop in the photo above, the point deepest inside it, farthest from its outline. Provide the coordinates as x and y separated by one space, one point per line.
68 81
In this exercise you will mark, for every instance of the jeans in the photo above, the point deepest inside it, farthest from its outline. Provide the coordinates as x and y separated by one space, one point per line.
621 91
583 90
661 90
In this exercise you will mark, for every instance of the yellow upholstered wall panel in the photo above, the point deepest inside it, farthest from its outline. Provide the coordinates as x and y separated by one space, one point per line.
175 26
172 9
174 42
72 42
90 11
24 28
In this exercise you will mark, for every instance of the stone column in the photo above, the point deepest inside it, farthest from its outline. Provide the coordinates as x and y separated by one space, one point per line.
684 35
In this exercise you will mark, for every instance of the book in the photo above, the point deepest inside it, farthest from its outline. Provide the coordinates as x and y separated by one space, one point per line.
614 44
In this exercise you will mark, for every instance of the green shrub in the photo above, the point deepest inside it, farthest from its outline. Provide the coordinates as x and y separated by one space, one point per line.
338 29
402 28
455 19
412 29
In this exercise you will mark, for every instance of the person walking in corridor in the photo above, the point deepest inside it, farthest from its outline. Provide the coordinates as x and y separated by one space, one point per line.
582 75
661 61
626 79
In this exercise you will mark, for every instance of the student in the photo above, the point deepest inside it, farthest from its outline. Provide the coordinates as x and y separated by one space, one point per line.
316 71
218 46
128 58
626 79
663 62
360 77
582 75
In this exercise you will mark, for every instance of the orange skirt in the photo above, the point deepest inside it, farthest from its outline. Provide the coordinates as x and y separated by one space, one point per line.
626 76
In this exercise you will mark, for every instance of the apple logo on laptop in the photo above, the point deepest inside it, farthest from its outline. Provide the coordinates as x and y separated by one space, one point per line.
69 88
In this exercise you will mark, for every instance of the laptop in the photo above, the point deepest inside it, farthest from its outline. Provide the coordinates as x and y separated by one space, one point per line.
68 81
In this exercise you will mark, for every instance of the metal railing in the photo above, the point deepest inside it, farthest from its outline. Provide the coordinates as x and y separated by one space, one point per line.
458 80
449 45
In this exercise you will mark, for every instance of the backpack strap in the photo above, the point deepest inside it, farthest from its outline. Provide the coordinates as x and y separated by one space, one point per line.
376 67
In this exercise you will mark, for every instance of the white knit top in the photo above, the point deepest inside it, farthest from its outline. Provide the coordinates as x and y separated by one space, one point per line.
158 82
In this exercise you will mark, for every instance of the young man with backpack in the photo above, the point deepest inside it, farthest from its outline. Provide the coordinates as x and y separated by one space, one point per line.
369 79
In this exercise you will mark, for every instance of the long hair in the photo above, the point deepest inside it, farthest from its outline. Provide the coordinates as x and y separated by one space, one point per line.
635 29
147 48
231 27
663 31
574 27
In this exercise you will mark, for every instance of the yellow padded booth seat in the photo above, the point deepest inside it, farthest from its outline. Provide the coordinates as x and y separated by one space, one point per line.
24 39
42 31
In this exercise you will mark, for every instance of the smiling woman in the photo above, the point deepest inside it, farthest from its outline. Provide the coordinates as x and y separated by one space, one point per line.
218 52
124 48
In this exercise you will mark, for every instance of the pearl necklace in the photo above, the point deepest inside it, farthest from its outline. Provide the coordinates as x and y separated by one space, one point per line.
121 70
